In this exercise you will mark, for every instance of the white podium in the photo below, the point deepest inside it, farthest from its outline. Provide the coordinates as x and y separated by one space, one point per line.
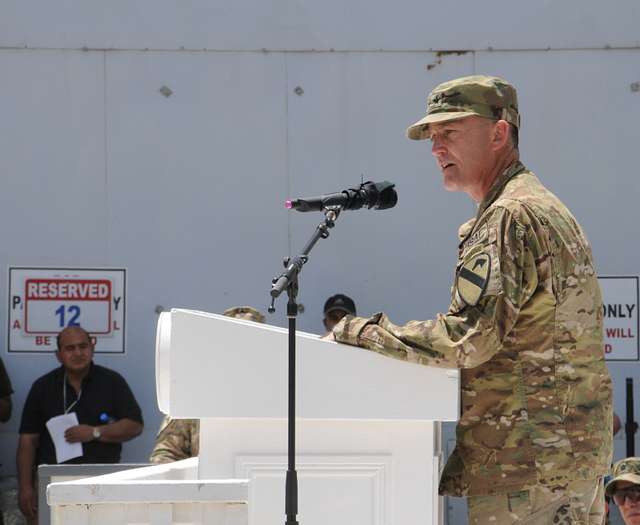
368 438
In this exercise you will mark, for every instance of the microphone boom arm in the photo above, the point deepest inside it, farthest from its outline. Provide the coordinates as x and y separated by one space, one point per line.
294 265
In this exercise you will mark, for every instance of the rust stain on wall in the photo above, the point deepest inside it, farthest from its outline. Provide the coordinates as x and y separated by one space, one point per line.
441 54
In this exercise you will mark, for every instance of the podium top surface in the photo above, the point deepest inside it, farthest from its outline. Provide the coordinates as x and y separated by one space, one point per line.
209 365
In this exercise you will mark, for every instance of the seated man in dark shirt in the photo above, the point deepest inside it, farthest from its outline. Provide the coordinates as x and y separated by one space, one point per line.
5 394
107 413
5 407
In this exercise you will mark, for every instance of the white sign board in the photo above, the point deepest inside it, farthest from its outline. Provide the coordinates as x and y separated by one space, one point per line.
43 301
620 310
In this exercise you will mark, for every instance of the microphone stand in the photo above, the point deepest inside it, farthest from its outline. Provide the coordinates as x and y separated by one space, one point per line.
289 280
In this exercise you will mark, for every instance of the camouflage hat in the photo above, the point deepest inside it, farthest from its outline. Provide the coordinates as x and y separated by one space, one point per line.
489 97
625 470
245 312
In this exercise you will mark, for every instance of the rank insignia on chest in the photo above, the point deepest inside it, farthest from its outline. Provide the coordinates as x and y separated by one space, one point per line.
473 277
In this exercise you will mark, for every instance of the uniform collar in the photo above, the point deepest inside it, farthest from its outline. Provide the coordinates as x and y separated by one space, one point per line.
494 192
498 185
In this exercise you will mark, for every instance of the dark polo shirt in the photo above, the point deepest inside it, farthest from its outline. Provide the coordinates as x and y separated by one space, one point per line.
105 398
5 384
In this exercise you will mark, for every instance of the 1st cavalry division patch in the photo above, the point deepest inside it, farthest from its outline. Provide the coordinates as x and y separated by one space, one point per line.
473 278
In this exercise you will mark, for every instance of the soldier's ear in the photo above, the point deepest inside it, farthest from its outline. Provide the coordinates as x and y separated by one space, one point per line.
500 135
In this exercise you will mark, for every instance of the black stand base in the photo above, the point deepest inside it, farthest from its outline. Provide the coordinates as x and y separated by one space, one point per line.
292 497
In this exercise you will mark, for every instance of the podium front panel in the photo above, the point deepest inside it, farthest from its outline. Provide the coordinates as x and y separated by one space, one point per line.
212 366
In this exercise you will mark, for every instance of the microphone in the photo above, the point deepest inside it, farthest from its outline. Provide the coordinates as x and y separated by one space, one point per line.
376 195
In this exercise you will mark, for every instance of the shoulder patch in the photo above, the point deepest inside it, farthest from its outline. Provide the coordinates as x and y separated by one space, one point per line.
473 277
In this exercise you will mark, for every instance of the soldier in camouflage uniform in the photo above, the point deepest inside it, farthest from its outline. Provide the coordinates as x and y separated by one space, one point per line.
624 489
180 438
524 326
177 439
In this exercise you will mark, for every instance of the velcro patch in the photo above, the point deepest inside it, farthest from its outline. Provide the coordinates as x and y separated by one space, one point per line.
477 237
473 277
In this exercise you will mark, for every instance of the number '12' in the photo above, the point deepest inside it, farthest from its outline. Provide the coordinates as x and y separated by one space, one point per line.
73 311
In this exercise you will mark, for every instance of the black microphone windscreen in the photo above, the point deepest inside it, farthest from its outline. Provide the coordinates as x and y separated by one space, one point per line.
388 198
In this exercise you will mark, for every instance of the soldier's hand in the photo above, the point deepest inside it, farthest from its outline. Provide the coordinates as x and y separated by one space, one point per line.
329 337
79 434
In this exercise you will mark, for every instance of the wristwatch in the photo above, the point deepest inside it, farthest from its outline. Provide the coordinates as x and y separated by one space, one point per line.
96 433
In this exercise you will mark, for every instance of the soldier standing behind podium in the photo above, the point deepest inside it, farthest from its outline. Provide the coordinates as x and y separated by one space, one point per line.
107 412
524 326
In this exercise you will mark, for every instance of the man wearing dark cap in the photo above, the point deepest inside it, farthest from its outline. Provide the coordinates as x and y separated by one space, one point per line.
335 308
524 326
624 489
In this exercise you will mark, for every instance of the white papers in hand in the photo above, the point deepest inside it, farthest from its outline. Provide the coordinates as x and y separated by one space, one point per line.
56 426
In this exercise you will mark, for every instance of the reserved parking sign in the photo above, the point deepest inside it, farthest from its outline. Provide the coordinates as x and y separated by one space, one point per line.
43 301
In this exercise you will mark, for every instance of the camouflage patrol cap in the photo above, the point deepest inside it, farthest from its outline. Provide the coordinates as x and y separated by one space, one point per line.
488 97
245 312
625 470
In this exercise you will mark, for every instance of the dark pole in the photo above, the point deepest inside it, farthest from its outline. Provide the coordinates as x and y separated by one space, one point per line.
288 280
630 426
291 495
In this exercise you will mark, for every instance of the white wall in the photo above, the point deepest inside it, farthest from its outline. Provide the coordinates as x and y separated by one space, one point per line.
306 25
100 169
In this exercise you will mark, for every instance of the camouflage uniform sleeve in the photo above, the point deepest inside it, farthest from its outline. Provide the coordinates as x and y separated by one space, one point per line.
495 277
173 442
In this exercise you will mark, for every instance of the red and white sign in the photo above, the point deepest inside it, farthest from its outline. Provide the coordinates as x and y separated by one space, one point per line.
620 312
43 301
